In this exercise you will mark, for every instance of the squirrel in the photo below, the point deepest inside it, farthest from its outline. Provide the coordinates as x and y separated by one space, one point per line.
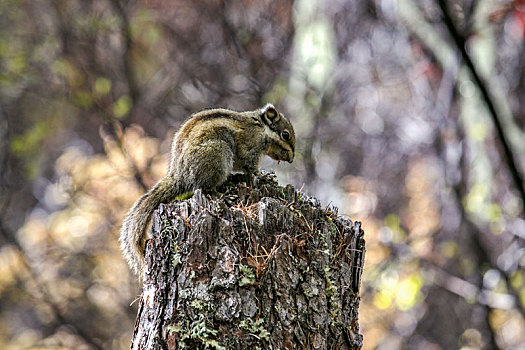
207 148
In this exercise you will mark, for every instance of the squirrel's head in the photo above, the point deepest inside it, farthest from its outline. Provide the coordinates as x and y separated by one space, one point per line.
280 133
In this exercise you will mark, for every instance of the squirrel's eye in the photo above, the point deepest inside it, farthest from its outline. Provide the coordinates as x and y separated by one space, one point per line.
285 135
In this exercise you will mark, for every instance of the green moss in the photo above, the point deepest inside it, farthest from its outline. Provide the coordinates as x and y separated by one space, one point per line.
184 196
196 331
168 228
247 276
198 304
255 328
309 293
295 211
333 299
333 227
175 254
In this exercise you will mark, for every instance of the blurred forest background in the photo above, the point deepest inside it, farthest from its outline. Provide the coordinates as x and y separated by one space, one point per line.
392 128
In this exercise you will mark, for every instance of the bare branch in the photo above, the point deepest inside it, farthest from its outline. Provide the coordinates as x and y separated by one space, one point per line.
460 41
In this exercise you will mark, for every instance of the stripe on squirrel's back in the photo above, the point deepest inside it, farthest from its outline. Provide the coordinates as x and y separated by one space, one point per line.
212 114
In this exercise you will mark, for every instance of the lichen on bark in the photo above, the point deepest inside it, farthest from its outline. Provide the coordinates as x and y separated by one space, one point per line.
262 267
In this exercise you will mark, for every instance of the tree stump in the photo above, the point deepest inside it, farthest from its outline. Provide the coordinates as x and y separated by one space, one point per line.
255 268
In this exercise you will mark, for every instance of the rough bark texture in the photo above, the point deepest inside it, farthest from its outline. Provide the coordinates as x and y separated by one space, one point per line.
256 268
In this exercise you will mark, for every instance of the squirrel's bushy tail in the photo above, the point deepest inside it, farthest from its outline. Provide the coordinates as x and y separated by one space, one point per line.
133 231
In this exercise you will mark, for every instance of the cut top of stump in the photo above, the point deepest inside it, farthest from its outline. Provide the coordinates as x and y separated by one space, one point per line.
255 267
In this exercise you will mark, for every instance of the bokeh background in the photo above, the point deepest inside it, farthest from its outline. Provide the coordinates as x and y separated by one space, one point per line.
391 126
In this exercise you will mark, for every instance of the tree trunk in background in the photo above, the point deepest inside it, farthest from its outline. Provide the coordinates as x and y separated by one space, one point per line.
261 268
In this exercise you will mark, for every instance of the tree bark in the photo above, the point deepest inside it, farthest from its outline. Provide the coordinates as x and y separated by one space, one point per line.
255 268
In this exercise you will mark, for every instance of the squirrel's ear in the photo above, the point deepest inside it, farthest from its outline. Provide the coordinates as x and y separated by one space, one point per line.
270 114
